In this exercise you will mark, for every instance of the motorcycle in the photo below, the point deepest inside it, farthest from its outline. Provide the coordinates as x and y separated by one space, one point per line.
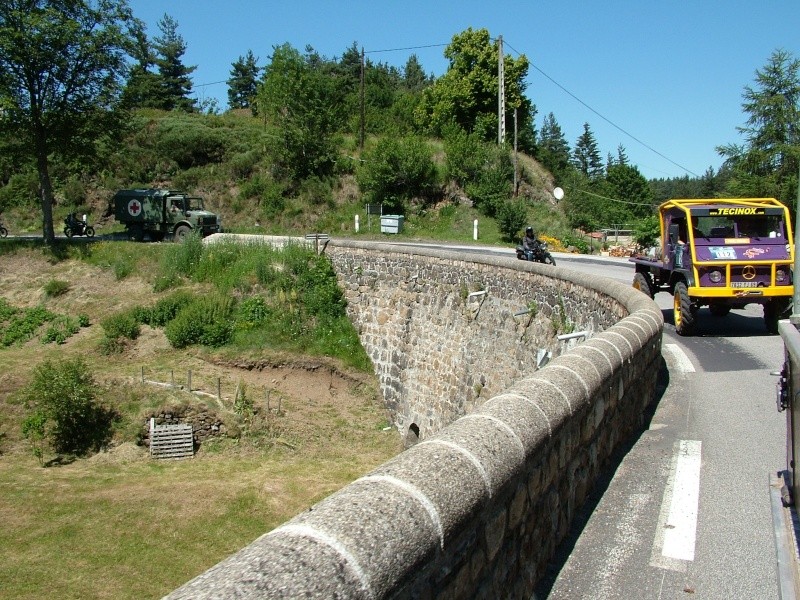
539 253
75 226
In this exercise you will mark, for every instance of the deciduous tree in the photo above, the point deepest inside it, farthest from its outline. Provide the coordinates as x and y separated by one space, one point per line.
61 68
295 98
467 93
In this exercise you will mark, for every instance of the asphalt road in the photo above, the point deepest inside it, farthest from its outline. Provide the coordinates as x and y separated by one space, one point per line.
685 511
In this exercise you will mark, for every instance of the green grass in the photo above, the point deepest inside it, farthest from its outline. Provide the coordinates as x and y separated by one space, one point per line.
118 525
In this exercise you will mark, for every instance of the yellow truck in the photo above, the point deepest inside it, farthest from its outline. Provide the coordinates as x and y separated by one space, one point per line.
721 253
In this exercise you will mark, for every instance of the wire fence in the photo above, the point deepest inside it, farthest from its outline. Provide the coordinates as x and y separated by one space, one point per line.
226 391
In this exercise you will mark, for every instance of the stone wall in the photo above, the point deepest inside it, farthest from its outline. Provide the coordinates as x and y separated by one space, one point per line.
508 453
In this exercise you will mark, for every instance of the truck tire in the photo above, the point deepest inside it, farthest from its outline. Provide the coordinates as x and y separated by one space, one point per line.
135 234
774 311
182 232
683 314
643 283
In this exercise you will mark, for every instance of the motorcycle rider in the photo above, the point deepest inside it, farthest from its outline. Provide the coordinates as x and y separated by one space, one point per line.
529 243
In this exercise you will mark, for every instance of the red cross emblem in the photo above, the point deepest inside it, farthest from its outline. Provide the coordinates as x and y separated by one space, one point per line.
134 208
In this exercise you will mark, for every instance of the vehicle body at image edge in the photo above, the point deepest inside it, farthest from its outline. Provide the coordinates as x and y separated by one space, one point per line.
721 253
162 213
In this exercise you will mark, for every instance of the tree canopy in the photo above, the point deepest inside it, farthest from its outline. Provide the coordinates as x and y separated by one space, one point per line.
243 82
767 163
61 68
467 93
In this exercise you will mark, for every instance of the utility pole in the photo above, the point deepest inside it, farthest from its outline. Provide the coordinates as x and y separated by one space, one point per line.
516 179
501 94
361 103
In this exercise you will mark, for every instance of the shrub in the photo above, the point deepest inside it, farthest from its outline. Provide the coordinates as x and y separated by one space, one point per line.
190 142
396 171
165 309
511 218
74 191
23 325
205 320
63 395
122 325
60 329
55 287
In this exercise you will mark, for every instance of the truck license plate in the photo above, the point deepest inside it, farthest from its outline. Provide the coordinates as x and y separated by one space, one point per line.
744 284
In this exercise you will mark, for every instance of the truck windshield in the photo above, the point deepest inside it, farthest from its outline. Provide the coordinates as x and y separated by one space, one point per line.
195 203
757 227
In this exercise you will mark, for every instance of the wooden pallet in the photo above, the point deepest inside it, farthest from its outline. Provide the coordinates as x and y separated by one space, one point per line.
171 441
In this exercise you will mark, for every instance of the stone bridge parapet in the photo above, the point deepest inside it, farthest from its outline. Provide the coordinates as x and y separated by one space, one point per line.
502 451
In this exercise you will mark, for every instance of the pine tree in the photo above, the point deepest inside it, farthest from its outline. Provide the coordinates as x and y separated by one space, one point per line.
553 149
586 156
767 163
175 82
243 83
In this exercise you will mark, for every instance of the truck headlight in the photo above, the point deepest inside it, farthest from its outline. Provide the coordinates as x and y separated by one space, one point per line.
715 276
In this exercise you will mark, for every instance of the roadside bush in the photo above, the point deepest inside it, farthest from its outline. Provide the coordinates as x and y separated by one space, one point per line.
62 395
165 309
205 320
511 218
121 325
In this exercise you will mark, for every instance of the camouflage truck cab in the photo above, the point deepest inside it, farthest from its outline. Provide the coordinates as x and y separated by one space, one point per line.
163 213
724 254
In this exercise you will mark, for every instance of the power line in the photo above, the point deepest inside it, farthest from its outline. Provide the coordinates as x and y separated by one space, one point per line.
606 119
406 49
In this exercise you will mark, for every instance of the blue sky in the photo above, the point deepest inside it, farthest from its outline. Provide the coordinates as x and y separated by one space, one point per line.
664 79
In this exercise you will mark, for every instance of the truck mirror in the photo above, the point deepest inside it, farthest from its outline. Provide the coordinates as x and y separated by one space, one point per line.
674 230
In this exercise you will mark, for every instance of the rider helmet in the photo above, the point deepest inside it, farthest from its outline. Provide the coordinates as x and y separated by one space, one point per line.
529 231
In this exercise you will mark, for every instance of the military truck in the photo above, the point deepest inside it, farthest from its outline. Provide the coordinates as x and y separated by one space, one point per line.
161 213
721 253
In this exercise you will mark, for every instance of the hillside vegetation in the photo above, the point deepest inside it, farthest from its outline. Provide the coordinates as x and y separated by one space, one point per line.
275 367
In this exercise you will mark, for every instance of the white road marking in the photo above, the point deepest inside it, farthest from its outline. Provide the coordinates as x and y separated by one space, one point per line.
677 530
682 362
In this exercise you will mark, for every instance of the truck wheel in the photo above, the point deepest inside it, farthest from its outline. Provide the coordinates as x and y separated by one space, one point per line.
643 283
181 233
136 234
682 313
774 311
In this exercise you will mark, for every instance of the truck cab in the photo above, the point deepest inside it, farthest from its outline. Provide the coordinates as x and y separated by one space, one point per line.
721 253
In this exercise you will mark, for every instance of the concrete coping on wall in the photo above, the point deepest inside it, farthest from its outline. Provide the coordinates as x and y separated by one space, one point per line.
370 538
